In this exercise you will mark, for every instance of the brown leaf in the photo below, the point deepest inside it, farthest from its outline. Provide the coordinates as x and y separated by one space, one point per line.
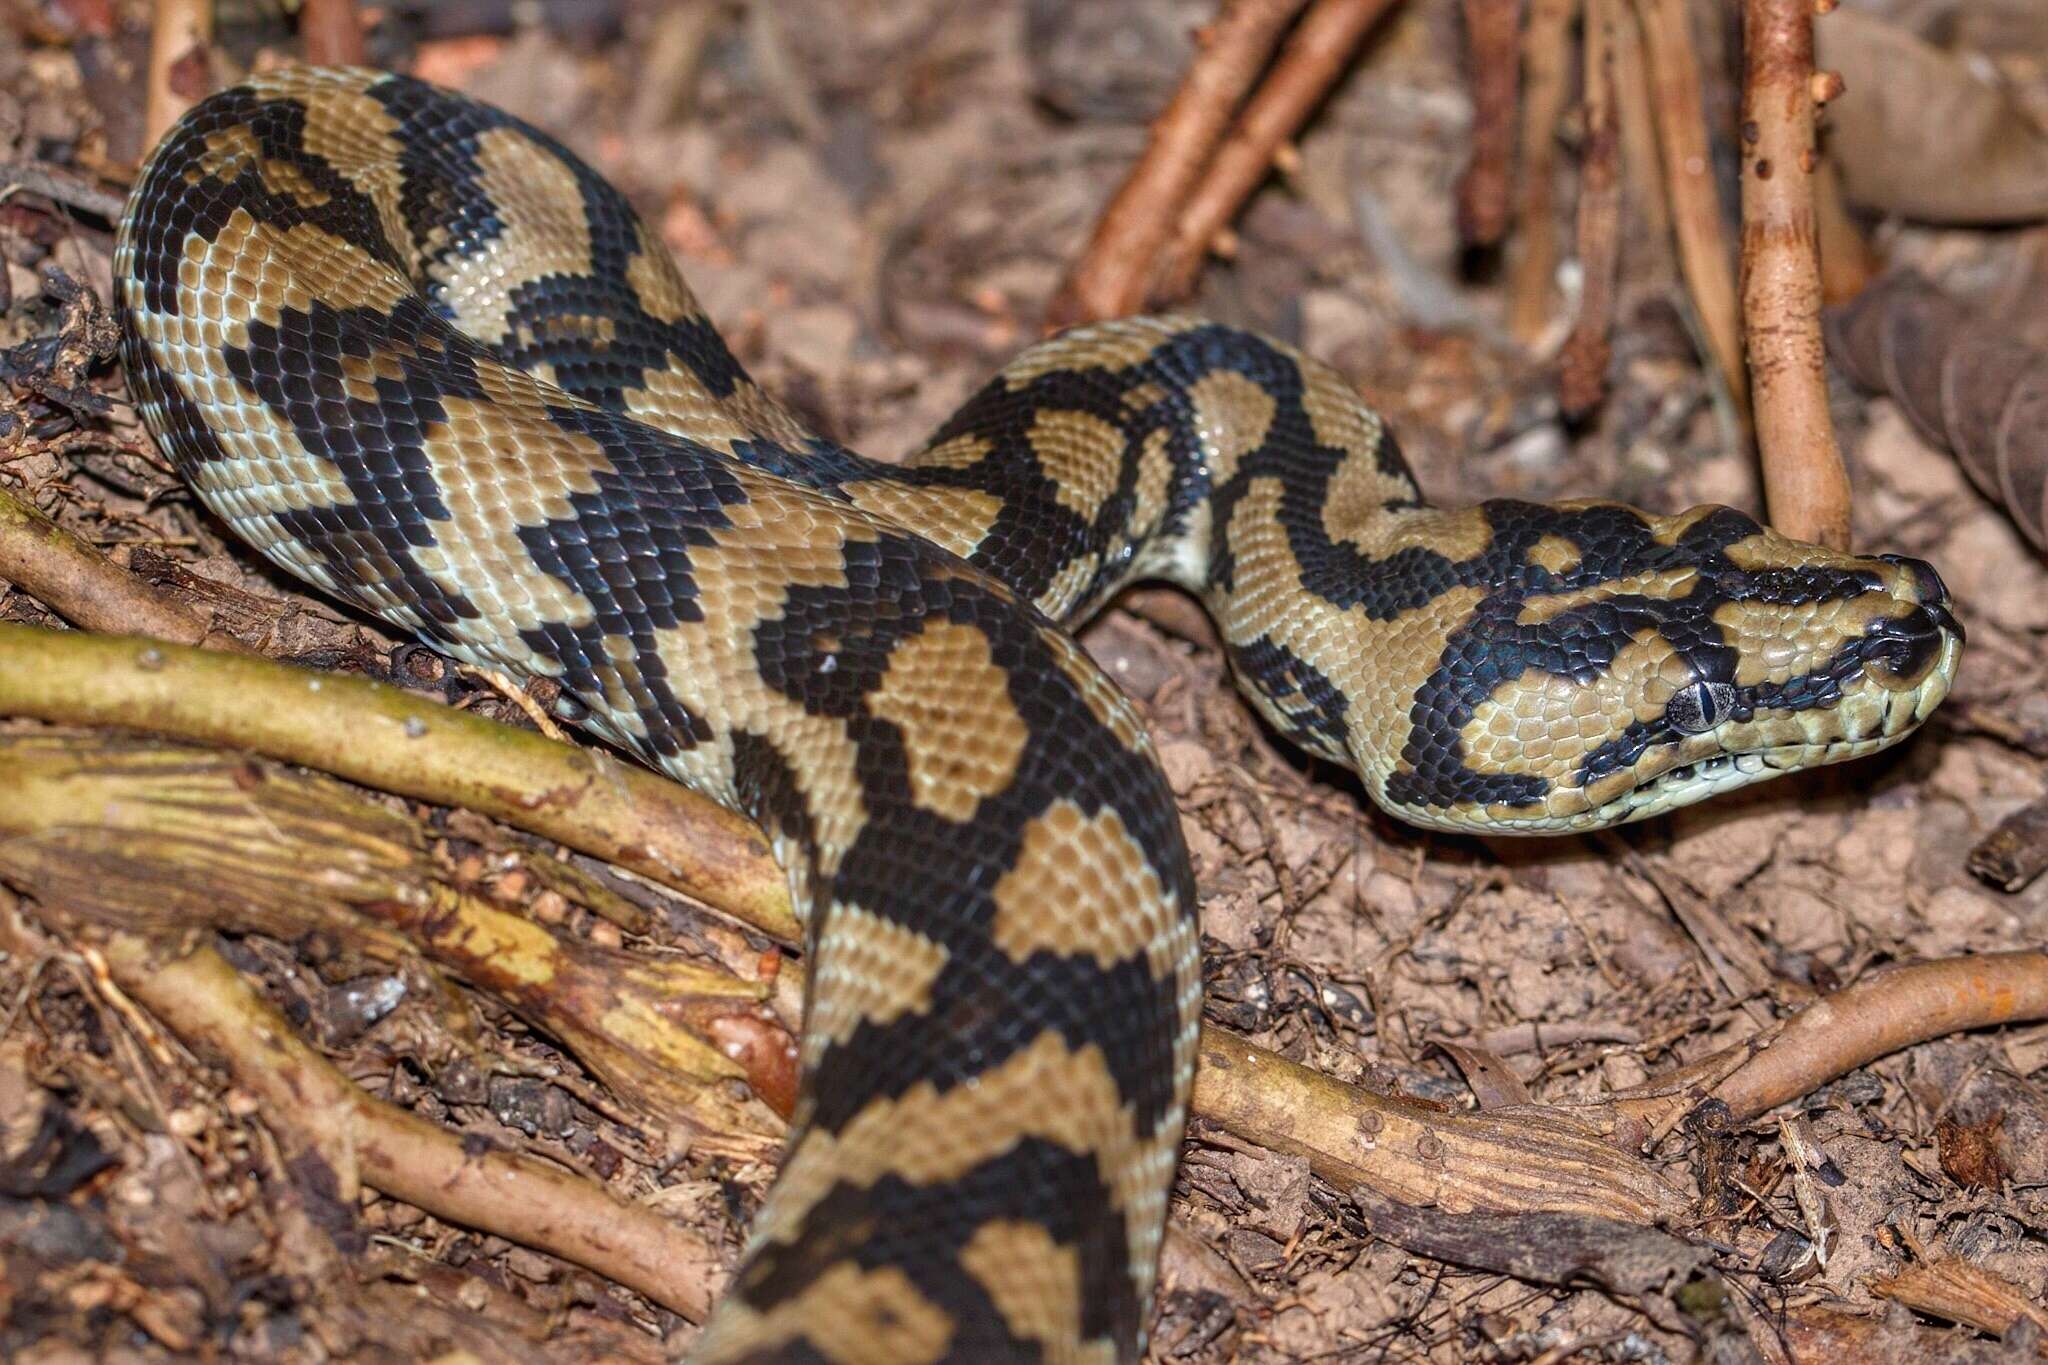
1962 381
1918 132
1970 1152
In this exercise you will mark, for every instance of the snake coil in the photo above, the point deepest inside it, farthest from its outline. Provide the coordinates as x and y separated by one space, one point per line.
420 356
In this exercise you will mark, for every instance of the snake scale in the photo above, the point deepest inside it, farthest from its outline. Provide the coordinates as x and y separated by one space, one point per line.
422 357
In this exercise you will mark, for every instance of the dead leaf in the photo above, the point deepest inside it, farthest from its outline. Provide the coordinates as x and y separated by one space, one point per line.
1918 132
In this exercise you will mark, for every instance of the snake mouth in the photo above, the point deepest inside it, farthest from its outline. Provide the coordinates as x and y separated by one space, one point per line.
1884 712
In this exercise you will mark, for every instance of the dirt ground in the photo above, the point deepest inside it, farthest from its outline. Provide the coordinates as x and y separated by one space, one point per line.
875 198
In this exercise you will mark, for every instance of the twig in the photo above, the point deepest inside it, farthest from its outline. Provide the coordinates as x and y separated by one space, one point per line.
1582 369
1546 61
179 37
506 1194
385 738
1689 181
332 31
1952 1288
1500 1161
85 587
1115 269
1493 67
1806 486
1882 1013
1636 119
60 188
1316 54
146 837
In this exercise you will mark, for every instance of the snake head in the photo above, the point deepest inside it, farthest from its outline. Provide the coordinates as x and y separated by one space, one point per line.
1603 665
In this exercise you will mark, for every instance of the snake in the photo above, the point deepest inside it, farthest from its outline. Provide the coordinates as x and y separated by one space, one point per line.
420 356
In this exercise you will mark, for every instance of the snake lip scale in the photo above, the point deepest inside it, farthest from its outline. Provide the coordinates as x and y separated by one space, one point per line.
419 355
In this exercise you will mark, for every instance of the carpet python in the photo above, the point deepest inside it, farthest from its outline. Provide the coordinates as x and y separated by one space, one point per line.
422 357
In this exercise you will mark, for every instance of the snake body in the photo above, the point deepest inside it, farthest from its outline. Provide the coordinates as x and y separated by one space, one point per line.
419 355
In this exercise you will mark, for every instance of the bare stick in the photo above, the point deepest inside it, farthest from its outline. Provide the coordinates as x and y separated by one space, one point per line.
1503 1161
509 1195
332 32
85 587
385 738
1115 268
1315 56
179 36
1582 370
1493 67
1806 486
1546 60
1689 179
1882 1013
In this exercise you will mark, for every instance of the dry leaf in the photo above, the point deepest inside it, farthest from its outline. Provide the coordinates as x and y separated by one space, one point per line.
1918 132
1965 384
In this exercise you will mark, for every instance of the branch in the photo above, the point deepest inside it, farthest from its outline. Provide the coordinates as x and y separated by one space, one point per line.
180 35
507 1194
1546 59
1115 269
377 735
1806 486
85 587
1315 56
1689 181
1492 64
1582 368
1883 1013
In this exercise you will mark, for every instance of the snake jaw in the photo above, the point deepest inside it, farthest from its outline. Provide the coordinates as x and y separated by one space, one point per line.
1908 672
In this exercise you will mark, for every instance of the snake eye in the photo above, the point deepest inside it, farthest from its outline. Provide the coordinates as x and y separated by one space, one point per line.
1698 707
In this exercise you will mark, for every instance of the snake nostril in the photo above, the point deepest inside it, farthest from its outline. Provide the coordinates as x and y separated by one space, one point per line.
1909 645
1926 582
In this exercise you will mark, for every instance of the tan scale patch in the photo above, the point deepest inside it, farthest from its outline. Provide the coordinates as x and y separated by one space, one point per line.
1081 454
962 452
962 735
872 970
1776 642
926 1136
1355 510
1063 594
358 137
1380 665
1664 583
1155 484
848 1315
779 540
1081 887
1545 725
1035 1283
1554 553
1111 346
1341 419
1138 397
655 281
544 233
957 518
498 469
1232 415
674 400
